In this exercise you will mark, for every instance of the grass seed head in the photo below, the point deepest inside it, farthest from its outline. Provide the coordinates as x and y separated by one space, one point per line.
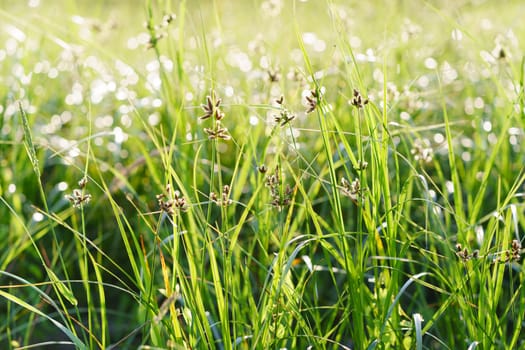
464 254
361 165
312 100
212 106
284 116
351 189
83 182
212 109
280 197
274 76
357 100
515 250
78 198
171 203
422 150
217 133
225 199
167 19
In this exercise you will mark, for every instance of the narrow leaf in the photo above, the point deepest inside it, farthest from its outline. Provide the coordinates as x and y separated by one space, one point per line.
62 288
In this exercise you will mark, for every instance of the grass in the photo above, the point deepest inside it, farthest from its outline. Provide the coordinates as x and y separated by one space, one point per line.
261 175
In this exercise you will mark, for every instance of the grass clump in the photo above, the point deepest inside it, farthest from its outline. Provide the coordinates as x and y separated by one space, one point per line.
325 175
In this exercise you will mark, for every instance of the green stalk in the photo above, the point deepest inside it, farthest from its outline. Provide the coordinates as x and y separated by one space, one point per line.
62 289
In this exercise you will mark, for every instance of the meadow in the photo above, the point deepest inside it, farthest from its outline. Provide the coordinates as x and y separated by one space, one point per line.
265 174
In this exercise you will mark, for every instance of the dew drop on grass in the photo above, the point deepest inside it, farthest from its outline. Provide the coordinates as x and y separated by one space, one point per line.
99 141
167 64
448 72
11 188
430 63
62 186
120 135
319 45
423 81
156 103
404 116
296 55
355 42
378 75
479 103
439 138
125 120
468 106
132 43
53 73
153 119
457 35
11 45
309 38
37 217
480 235
487 57
450 186
74 152
154 81
264 62
467 142
15 33
103 121
479 175
112 147
515 131
486 24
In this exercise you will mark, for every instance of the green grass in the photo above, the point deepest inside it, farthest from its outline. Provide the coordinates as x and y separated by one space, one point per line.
261 175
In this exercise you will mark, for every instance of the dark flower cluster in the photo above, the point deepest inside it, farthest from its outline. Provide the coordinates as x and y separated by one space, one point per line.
79 197
212 109
171 203
280 197
284 116
225 199
357 100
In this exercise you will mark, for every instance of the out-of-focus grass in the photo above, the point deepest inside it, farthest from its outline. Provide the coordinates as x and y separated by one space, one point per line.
363 188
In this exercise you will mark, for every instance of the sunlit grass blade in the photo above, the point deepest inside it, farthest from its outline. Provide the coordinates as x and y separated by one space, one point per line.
78 343
418 320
